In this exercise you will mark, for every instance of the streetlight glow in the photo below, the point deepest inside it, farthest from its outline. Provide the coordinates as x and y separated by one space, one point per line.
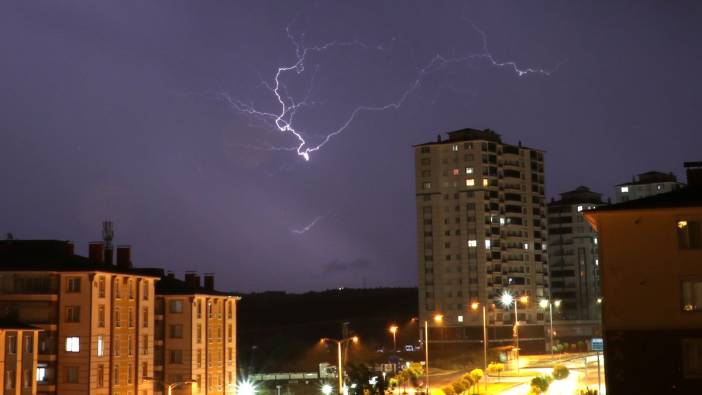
354 339
557 303
543 303
524 299
506 299
246 388
326 389
438 318
393 329
474 305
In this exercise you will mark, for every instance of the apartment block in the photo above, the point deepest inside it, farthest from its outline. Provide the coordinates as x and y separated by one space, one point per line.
481 229
18 358
650 253
96 317
572 255
195 337
646 184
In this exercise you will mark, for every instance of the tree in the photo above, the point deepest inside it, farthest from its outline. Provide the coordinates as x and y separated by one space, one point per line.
540 384
496 368
467 381
410 375
458 386
476 375
560 372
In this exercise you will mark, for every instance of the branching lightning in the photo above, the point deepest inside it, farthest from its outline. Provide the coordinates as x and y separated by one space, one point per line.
307 227
283 118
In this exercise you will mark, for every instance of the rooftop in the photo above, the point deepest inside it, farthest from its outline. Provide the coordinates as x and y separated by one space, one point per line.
53 255
651 177
690 196
469 134
581 194
169 285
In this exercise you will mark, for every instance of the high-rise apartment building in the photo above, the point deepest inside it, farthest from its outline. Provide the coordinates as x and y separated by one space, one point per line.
572 255
96 318
481 228
646 184
195 337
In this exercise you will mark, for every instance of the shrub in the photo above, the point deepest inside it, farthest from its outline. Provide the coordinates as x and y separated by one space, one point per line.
587 391
560 372
448 390
459 386
496 368
540 384
477 374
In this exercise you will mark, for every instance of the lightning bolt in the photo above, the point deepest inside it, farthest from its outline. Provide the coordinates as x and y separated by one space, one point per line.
308 227
283 118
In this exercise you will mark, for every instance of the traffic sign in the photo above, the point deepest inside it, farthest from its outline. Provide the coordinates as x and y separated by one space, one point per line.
597 344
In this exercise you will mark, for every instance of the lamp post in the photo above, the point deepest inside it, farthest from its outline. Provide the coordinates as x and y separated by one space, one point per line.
438 318
185 382
338 355
507 299
393 330
474 306
547 303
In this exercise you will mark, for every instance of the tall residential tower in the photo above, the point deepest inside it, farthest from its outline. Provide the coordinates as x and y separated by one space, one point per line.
481 228
572 255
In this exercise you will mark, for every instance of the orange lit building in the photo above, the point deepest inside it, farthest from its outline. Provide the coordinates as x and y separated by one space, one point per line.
18 358
96 317
195 337
651 281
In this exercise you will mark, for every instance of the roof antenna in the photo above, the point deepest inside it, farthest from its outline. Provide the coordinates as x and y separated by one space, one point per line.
108 233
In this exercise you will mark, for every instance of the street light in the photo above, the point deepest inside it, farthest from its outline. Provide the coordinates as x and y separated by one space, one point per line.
474 306
393 330
186 382
543 303
507 299
438 319
338 351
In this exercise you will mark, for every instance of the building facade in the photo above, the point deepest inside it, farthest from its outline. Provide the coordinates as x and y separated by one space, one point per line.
196 337
572 255
646 184
18 358
650 252
96 318
481 229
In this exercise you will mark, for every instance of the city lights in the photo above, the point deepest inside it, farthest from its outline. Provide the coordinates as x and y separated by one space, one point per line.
246 388
326 389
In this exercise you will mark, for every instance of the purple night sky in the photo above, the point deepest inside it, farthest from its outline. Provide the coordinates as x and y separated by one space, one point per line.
116 110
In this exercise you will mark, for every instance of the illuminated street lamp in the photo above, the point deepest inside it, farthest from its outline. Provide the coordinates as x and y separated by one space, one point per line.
338 351
393 330
543 303
438 319
474 306
507 299
326 389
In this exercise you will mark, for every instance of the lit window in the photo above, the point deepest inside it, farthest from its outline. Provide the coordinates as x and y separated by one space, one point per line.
469 170
658 187
454 147
485 182
470 182
487 243
625 189
580 208
472 243
456 172
543 246
41 374
426 185
689 234
100 346
502 221
460 318
594 240
526 246
597 262
73 344
692 295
